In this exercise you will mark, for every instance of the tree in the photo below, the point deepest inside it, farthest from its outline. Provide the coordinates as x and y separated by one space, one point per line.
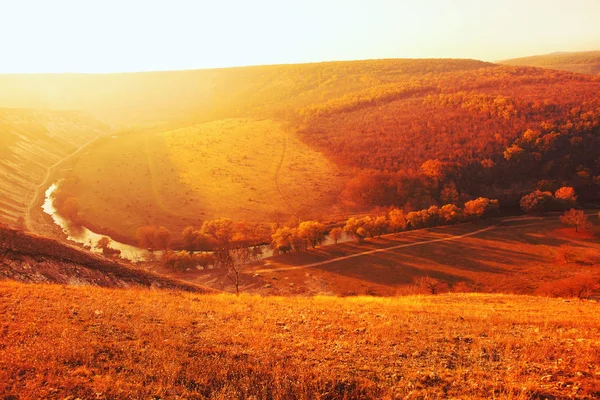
69 209
380 225
536 202
282 239
480 207
145 237
237 259
566 197
415 219
576 218
336 234
221 231
432 285
162 238
355 227
431 216
450 214
397 220
434 169
194 240
450 194
312 232
103 243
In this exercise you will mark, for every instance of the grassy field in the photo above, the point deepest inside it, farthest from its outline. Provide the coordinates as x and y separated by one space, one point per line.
238 169
104 343
517 257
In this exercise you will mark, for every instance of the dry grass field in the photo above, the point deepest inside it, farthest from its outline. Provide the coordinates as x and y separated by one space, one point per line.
516 257
58 341
238 169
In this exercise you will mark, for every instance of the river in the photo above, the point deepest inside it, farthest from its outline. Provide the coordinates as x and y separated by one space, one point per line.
86 237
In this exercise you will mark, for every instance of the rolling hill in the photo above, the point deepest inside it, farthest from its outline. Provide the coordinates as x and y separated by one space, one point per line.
584 62
33 259
327 138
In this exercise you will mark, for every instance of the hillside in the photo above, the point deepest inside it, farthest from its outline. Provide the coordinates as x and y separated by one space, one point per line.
322 140
102 343
583 62
31 141
29 258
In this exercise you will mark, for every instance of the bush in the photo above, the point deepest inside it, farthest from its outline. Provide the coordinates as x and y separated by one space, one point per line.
581 286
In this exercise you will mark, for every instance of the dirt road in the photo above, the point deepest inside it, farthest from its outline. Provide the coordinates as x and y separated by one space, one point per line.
364 253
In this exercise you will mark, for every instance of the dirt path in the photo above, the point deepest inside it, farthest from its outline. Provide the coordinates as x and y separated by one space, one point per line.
41 188
155 190
364 253
278 173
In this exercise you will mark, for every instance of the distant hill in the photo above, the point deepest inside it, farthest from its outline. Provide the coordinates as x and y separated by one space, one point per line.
584 62
29 258
204 95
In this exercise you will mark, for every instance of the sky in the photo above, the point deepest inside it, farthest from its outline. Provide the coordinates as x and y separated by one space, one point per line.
145 35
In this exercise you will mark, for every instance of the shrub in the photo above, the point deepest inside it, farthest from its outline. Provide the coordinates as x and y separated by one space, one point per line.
581 286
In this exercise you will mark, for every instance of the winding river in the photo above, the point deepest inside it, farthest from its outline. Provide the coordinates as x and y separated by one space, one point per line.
86 237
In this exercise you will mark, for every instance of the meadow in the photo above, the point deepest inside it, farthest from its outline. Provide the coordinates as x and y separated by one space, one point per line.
239 169
104 343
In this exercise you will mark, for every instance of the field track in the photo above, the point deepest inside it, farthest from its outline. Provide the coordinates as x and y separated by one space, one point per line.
364 253
44 184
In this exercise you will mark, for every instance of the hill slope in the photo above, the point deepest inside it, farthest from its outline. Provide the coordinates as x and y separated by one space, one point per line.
29 258
31 141
584 62
102 343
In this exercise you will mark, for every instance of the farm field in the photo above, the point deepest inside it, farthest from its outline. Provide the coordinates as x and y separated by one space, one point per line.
239 169
106 343
518 256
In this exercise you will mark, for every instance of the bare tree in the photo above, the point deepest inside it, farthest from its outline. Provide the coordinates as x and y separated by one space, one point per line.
235 260
576 218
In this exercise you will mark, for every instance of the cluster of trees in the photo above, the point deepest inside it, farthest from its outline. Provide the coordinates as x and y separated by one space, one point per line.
107 250
184 260
307 234
153 238
396 220
312 233
494 106
540 202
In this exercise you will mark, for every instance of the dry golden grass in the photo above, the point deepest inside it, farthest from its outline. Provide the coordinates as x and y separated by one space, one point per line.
101 343
222 169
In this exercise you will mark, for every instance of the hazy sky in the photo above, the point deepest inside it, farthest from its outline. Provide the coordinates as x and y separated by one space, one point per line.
132 35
